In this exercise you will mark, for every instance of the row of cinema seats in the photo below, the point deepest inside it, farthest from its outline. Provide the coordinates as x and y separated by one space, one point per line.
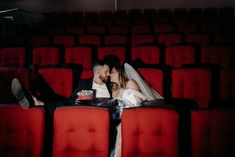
166 39
85 131
206 86
175 56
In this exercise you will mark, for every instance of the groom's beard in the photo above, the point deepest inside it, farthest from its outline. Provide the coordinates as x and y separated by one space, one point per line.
103 78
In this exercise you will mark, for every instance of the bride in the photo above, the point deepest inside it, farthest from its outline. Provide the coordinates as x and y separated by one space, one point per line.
130 90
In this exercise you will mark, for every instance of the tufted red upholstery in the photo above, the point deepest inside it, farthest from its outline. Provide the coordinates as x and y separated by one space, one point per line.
84 131
138 29
199 38
21 131
227 84
154 77
15 56
119 51
169 38
59 79
149 132
115 39
193 83
147 54
216 54
142 39
6 76
176 56
64 40
163 28
79 55
36 41
46 56
90 40
213 133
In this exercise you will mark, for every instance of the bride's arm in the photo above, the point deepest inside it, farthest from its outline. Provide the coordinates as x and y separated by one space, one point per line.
131 84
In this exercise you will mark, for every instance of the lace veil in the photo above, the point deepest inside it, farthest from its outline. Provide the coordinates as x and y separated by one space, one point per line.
145 88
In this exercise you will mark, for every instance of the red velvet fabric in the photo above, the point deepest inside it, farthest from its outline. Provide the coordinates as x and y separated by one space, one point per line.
78 30
176 56
79 55
118 30
96 29
14 57
163 28
21 131
64 40
46 56
6 76
142 39
213 133
138 29
216 54
36 41
119 51
150 132
59 79
193 83
81 131
115 39
87 74
147 54
186 28
154 77
90 40
198 38
227 83
169 38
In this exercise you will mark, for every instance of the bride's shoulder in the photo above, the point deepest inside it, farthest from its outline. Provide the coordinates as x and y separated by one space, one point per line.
132 85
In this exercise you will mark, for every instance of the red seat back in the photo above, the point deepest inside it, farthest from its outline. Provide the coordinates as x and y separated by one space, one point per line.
227 84
119 51
142 39
149 132
21 131
84 131
169 39
64 40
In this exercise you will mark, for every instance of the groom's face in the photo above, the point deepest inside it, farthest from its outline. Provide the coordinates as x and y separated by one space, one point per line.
104 73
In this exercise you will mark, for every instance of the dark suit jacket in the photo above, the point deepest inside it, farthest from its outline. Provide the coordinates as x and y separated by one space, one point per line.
84 84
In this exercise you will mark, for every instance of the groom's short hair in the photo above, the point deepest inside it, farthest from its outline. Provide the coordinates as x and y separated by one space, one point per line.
98 64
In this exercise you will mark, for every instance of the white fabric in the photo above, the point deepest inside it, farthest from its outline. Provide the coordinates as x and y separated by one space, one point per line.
101 90
145 88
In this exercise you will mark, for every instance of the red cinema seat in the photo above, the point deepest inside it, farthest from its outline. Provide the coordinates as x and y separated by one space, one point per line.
124 30
154 77
146 54
186 28
40 40
142 39
176 56
96 29
138 29
45 57
220 55
78 30
90 40
163 28
119 51
59 79
150 132
64 40
6 76
213 133
84 131
79 55
199 38
169 39
21 131
54 30
86 74
13 57
194 84
116 40
227 84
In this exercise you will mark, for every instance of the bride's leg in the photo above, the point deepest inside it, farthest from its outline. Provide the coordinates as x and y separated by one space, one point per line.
118 144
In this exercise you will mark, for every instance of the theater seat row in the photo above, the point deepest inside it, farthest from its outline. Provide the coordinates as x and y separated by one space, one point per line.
201 85
85 131
175 56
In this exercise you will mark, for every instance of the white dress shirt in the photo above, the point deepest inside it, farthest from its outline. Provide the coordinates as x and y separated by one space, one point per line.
101 90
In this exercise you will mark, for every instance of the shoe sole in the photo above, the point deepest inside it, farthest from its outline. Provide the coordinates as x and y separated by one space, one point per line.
17 91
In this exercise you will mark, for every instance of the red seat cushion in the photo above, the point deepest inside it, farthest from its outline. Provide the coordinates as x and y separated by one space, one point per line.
84 131
213 133
21 131
227 84
149 132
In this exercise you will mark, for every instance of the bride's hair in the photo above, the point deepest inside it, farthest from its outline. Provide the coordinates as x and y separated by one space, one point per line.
122 77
